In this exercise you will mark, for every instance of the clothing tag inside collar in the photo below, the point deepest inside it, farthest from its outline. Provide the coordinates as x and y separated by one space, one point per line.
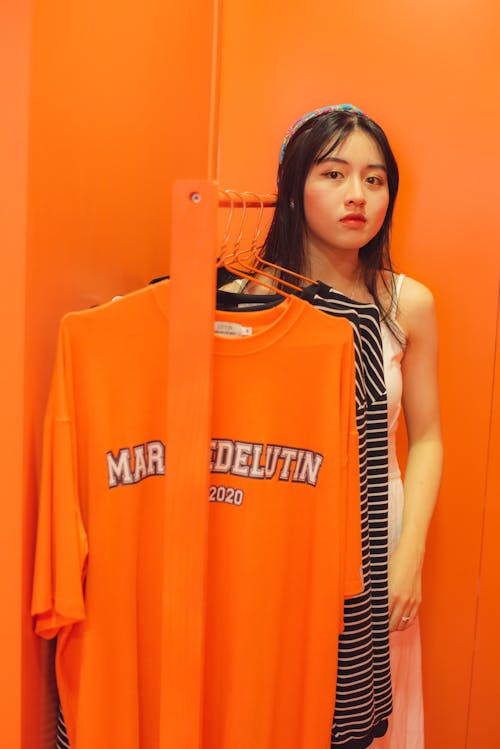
231 329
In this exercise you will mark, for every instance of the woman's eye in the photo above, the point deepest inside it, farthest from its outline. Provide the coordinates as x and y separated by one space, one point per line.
334 175
375 180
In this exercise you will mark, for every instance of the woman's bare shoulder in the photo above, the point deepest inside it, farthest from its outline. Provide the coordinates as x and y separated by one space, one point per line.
416 308
414 296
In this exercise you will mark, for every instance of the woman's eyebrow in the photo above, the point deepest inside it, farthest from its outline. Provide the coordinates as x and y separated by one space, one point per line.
336 160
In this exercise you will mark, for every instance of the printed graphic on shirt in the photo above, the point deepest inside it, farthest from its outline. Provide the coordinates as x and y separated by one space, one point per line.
253 460
133 464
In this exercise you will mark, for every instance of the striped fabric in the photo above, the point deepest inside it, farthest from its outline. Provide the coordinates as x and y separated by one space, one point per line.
62 741
364 697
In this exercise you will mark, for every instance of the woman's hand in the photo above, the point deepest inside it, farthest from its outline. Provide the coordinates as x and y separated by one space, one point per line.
405 587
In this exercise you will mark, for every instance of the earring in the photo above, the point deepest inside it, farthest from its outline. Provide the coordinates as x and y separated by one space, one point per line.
292 203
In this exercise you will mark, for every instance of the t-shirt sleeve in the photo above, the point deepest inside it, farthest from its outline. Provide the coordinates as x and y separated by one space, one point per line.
61 543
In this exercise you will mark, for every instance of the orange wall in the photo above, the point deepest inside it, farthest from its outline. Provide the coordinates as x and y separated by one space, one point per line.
428 72
121 100
483 730
120 106
14 98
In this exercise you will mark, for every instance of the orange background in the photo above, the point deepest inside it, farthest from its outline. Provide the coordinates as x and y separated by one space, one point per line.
103 105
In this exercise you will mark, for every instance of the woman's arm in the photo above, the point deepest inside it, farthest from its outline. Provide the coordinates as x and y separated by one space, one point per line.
417 317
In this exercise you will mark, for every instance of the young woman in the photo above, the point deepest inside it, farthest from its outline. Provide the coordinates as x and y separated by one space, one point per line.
337 185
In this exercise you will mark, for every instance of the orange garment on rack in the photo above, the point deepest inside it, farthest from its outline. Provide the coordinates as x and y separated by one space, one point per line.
283 535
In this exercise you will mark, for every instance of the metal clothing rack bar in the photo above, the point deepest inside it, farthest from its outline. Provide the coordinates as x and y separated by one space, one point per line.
192 289
189 397
247 199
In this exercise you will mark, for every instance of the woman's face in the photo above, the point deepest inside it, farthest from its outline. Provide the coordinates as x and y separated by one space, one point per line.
346 196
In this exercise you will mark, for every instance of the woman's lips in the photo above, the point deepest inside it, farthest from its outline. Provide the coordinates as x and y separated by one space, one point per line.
353 219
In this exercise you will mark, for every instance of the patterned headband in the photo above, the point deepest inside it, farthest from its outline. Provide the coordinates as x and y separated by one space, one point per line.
309 116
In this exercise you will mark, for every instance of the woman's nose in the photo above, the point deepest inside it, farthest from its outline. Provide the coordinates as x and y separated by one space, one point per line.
354 192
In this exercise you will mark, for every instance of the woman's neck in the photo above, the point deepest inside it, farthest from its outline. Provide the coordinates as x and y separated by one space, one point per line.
340 269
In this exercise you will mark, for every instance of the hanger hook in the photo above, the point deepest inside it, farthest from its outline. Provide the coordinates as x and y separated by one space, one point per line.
227 230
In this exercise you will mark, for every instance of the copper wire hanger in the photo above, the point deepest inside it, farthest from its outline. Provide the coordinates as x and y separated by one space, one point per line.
229 261
245 262
227 229
253 259
259 259
242 257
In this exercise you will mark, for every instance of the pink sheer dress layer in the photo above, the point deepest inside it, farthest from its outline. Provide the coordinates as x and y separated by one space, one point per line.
406 724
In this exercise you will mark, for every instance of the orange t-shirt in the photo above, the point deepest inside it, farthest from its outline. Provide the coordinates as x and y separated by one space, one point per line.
283 531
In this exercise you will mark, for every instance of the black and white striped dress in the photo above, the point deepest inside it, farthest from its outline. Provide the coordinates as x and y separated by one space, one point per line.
364 698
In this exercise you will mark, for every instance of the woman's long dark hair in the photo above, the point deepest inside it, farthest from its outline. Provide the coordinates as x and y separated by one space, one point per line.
284 244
